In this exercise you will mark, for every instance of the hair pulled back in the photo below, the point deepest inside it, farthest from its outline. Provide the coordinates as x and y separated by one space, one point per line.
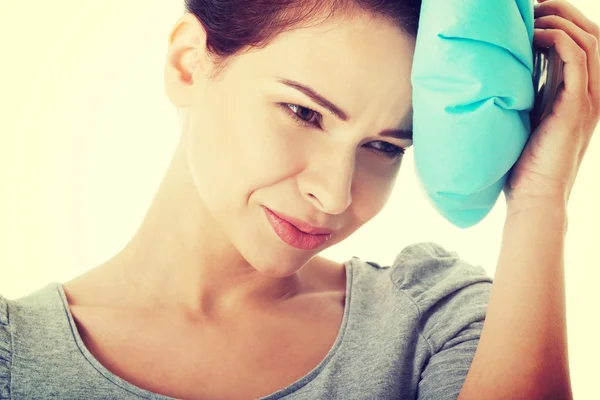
235 25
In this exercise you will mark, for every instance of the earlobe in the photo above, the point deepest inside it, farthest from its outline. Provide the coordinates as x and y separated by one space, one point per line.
178 75
189 63
183 60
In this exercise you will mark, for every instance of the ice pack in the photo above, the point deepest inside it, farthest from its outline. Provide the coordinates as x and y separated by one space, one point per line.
472 97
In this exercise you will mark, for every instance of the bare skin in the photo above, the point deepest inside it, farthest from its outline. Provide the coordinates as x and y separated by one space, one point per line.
172 355
205 290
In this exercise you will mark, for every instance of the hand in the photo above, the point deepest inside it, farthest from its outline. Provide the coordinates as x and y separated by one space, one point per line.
548 165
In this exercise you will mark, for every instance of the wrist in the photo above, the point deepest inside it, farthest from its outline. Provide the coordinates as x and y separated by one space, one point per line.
547 209
556 203
524 197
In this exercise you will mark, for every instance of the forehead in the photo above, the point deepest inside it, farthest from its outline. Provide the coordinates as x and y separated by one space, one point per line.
355 60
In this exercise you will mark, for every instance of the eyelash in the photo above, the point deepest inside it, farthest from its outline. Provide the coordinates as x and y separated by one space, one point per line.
395 153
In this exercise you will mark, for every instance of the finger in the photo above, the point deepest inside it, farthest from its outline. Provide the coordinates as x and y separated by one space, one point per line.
575 69
567 11
584 40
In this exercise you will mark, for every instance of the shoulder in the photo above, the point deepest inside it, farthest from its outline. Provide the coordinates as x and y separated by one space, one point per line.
448 292
5 349
32 327
428 266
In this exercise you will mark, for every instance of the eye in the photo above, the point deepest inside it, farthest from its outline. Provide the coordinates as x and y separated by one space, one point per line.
304 116
308 117
389 150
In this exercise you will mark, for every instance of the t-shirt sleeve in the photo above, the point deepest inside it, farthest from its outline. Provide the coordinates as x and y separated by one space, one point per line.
451 296
5 351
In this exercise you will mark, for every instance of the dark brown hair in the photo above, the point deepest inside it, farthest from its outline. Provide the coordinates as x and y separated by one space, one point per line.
235 25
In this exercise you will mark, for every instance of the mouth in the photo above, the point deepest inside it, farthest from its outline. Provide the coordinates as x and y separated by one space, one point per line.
301 225
293 236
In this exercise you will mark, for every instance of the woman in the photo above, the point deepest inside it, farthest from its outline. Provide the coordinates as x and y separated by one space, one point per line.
291 141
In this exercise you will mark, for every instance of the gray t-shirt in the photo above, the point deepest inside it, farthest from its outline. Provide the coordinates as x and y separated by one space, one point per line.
409 331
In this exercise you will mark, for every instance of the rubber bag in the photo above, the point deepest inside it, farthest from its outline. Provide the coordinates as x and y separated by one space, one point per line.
472 96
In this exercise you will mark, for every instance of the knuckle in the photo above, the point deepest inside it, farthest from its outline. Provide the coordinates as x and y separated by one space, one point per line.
591 43
581 56
595 115
594 107
562 34
552 20
591 109
547 18
595 30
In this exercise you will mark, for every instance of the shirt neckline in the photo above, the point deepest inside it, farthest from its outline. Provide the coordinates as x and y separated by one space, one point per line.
298 384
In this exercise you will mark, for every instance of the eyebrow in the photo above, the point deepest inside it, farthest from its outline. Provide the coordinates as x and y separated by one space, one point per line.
337 111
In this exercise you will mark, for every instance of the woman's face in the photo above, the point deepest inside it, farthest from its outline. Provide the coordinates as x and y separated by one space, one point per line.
254 138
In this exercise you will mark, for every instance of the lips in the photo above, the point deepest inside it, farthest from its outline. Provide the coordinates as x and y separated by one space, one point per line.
303 226
290 234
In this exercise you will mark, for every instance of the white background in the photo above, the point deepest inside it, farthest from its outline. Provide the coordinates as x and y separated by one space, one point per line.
86 133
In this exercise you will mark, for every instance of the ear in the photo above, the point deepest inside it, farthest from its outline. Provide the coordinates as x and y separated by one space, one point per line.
186 62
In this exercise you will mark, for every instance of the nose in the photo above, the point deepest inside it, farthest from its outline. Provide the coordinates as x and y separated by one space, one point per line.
327 182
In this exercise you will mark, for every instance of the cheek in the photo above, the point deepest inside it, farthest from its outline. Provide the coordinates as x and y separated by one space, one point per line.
211 154
369 196
238 147
269 148
371 192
